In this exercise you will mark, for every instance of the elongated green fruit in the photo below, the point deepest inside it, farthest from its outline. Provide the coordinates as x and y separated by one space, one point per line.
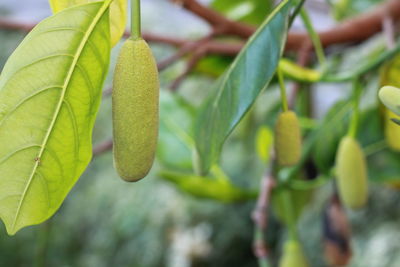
351 172
390 97
293 255
287 139
297 72
135 101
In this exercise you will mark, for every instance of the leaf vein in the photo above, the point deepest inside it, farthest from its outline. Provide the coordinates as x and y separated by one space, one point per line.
79 52
6 157
15 108
35 62
75 129
87 81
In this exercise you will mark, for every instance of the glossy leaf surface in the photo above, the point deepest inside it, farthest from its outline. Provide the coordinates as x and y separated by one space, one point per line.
238 88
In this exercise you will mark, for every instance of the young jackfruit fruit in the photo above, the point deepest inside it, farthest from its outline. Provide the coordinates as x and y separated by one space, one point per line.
135 105
293 255
351 172
287 139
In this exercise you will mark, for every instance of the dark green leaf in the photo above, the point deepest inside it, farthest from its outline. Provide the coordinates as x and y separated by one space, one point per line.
237 89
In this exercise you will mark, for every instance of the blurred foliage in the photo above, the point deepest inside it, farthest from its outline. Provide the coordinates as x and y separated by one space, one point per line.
343 9
162 222
249 11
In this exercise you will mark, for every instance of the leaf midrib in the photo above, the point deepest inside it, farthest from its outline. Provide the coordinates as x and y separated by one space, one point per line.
77 56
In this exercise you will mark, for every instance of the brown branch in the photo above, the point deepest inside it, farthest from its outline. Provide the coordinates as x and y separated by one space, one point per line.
336 233
353 30
217 20
155 38
15 26
388 30
184 50
191 64
303 58
260 217
102 148
107 92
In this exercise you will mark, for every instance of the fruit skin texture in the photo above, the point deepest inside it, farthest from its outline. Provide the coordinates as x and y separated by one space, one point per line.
390 97
135 110
287 139
293 255
351 172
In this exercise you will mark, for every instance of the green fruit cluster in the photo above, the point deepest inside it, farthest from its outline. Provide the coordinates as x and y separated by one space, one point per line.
135 101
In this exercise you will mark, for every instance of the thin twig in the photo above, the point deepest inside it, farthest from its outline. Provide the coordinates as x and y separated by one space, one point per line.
184 50
303 57
107 92
388 30
102 148
260 218
347 32
190 65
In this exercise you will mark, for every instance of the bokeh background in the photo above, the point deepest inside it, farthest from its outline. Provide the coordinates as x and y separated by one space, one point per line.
107 222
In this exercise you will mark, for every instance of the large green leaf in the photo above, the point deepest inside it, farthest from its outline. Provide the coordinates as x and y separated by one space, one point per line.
50 91
118 10
238 88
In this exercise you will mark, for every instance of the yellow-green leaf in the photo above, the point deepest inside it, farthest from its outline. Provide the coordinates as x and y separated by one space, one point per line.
297 72
50 91
118 14
220 188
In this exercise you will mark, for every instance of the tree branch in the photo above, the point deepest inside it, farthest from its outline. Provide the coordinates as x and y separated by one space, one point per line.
217 20
346 32
190 65
102 148
260 218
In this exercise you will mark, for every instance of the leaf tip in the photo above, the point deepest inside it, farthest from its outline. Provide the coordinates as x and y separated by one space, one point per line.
10 229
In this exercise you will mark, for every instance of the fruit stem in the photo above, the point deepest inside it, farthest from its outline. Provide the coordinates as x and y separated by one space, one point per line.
283 90
135 20
356 114
286 198
314 36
